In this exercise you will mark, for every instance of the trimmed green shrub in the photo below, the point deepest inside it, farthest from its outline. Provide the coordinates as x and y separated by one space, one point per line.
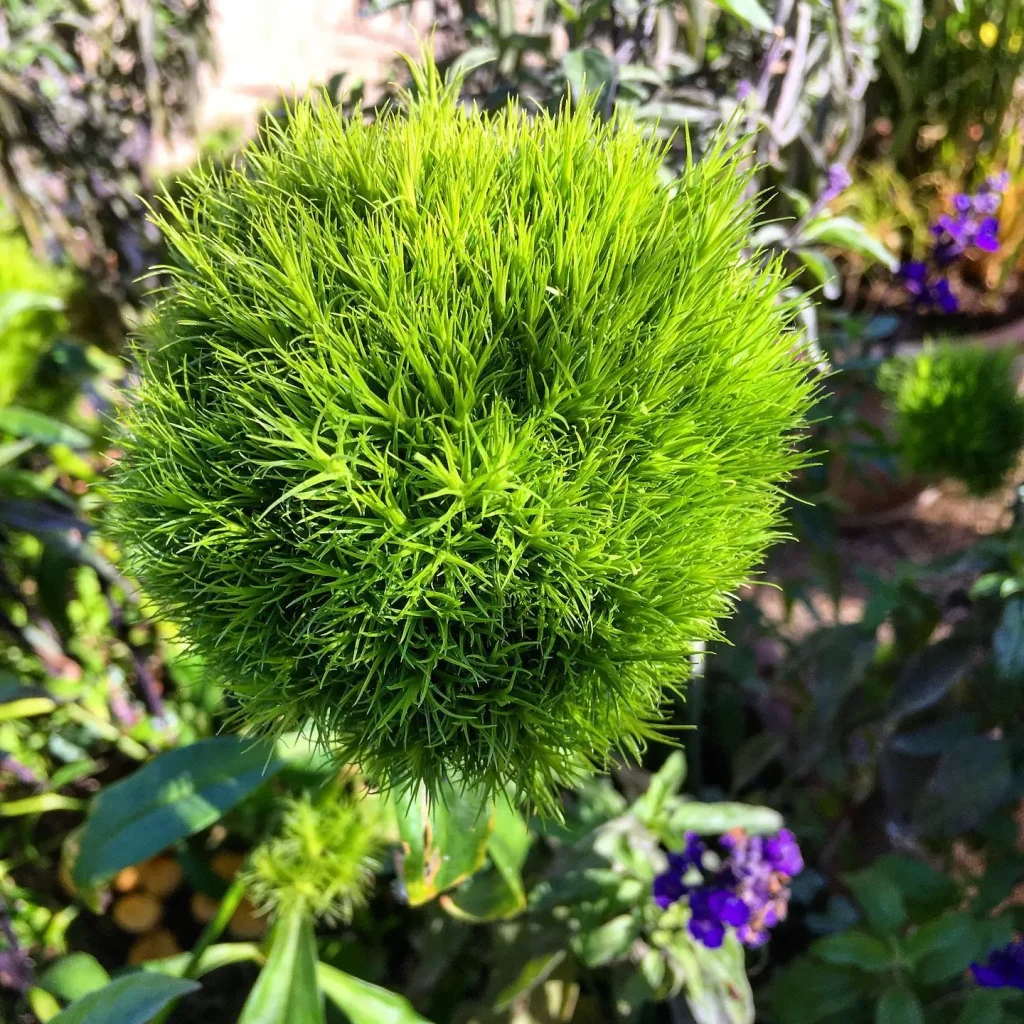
957 414
454 433
31 299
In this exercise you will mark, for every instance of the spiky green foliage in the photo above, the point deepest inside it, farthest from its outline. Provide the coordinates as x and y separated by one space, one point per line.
323 855
455 433
31 294
957 413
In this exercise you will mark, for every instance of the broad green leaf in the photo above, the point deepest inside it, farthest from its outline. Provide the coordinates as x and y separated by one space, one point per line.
807 992
534 973
854 949
750 12
364 1003
508 845
133 999
1008 640
715 819
218 955
444 843
973 778
846 233
14 303
42 1004
899 1005
943 948
286 992
718 992
607 942
824 269
665 783
928 675
879 898
587 69
42 429
74 976
991 1006
173 796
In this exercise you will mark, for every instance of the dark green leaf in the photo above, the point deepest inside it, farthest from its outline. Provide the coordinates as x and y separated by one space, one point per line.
754 756
176 795
588 69
854 949
899 1005
133 999
929 675
364 1003
1008 640
943 948
533 974
608 942
286 992
811 993
972 779
879 898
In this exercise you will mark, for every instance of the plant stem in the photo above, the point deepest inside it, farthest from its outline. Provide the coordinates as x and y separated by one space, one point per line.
211 933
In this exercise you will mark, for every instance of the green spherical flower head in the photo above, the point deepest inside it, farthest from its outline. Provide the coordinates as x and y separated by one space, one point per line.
323 855
957 414
454 433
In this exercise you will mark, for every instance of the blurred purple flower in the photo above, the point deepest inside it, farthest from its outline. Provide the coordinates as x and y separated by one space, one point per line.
747 891
1004 969
928 292
839 181
743 89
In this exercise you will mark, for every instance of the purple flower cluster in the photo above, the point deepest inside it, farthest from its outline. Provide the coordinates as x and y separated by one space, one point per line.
972 223
741 884
1004 969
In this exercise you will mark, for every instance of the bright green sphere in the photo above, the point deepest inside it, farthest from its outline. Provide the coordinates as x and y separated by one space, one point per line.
454 433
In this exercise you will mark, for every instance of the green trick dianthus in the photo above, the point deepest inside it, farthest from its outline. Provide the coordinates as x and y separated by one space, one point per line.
957 413
455 432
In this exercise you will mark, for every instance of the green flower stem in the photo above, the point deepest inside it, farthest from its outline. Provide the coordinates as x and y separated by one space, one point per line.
211 933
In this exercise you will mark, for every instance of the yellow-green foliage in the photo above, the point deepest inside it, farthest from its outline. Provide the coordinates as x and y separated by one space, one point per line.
31 294
323 856
455 432
957 413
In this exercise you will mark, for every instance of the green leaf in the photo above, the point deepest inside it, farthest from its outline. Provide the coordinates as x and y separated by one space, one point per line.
14 303
534 972
607 942
811 993
364 1003
444 843
972 779
879 898
943 948
824 269
218 955
899 1005
175 795
286 992
42 429
986 1006
133 999
754 756
665 783
912 17
854 949
714 819
1008 640
846 233
928 675
750 12
508 845
74 976
587 69
718 992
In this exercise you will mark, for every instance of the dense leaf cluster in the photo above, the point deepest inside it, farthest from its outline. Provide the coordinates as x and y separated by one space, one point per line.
455 433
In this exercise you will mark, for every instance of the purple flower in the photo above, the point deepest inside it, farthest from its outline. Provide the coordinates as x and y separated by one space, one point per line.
668 889
783 853
963 203
987 202
746 891
943 297
839 181
997 182
928 292
743 89
1005 967
986 237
